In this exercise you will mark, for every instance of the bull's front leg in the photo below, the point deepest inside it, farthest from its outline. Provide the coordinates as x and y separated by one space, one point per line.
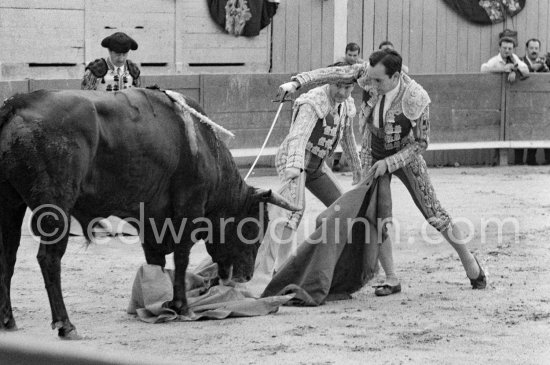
189 210
182 248
181 261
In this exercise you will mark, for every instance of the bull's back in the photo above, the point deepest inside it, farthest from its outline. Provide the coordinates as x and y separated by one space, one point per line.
97 142
128 145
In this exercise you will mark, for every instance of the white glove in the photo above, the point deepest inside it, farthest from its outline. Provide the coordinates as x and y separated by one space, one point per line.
288 87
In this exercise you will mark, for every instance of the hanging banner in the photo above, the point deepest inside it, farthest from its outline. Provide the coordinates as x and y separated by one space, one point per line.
486 11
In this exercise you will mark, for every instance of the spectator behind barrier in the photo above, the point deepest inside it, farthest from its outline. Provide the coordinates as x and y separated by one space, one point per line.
352 55
506 61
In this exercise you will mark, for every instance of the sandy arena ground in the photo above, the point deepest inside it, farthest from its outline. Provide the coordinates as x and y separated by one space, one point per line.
436 319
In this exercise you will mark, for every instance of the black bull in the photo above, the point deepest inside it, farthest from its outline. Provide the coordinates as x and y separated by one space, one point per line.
129 154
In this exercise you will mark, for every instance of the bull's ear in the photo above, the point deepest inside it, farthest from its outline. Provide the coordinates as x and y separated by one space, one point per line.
269 196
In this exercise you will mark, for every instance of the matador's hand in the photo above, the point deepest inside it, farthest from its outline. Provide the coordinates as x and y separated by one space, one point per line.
379 168
288 87
357 177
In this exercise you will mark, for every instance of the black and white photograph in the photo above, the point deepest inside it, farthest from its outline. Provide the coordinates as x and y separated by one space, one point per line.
309 182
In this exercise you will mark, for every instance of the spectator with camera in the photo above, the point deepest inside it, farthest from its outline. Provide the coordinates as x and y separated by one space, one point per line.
506 61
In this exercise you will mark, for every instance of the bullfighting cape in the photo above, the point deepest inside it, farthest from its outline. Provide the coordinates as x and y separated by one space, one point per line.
340 256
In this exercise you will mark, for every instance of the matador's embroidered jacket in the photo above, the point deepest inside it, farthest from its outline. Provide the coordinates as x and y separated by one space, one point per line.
317 126
101 75
405 132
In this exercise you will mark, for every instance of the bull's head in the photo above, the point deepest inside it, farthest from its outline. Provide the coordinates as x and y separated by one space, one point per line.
237 254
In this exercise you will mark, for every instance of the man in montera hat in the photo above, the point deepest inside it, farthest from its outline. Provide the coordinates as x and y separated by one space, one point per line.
321 119
116 72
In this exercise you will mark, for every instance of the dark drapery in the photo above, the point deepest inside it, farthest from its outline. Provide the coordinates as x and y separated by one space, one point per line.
486 11
261 10
339 264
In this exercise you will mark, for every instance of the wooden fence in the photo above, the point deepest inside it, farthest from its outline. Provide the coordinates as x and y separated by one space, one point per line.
478 112
431 37
56 38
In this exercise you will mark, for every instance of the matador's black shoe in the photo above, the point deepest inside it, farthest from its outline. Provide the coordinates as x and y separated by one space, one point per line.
481 281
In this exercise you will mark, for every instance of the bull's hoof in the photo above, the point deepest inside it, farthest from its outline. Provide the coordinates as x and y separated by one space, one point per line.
66 330
72 335
8 324
228 282
177 306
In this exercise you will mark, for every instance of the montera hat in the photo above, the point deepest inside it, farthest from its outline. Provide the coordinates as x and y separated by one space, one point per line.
119 42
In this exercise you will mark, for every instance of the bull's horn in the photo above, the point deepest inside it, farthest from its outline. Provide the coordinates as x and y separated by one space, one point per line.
274 198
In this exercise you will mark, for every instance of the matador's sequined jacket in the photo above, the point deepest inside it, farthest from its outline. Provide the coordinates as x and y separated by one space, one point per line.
405 133
100 75
312 133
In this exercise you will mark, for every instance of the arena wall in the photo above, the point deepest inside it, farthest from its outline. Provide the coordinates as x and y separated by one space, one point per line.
479 111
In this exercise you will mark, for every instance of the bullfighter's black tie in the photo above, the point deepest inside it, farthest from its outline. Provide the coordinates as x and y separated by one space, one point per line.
381 112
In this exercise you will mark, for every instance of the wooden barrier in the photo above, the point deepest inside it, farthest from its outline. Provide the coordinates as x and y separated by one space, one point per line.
482 113
528 109
58 84
9 88
188 85
243 104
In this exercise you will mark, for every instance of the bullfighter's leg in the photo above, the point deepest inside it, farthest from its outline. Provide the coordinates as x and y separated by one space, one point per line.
417 181
11 220
323 184
52 223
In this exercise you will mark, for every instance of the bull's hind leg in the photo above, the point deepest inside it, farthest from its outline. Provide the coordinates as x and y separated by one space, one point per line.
53 224
11 220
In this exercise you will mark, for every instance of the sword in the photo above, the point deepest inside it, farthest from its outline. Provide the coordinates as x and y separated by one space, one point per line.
281 103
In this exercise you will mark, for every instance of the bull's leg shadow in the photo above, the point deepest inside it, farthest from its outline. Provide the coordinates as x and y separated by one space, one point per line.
54 229
11 220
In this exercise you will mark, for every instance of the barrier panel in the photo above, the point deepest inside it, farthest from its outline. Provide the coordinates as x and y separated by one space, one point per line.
477 112
243 104
9 88
464 107
528 109
56 84
188 85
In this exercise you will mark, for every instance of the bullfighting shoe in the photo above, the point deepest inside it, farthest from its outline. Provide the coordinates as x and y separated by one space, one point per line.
481 281
386 289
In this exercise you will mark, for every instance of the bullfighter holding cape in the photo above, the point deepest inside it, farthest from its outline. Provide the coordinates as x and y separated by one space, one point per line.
395 125
321 118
